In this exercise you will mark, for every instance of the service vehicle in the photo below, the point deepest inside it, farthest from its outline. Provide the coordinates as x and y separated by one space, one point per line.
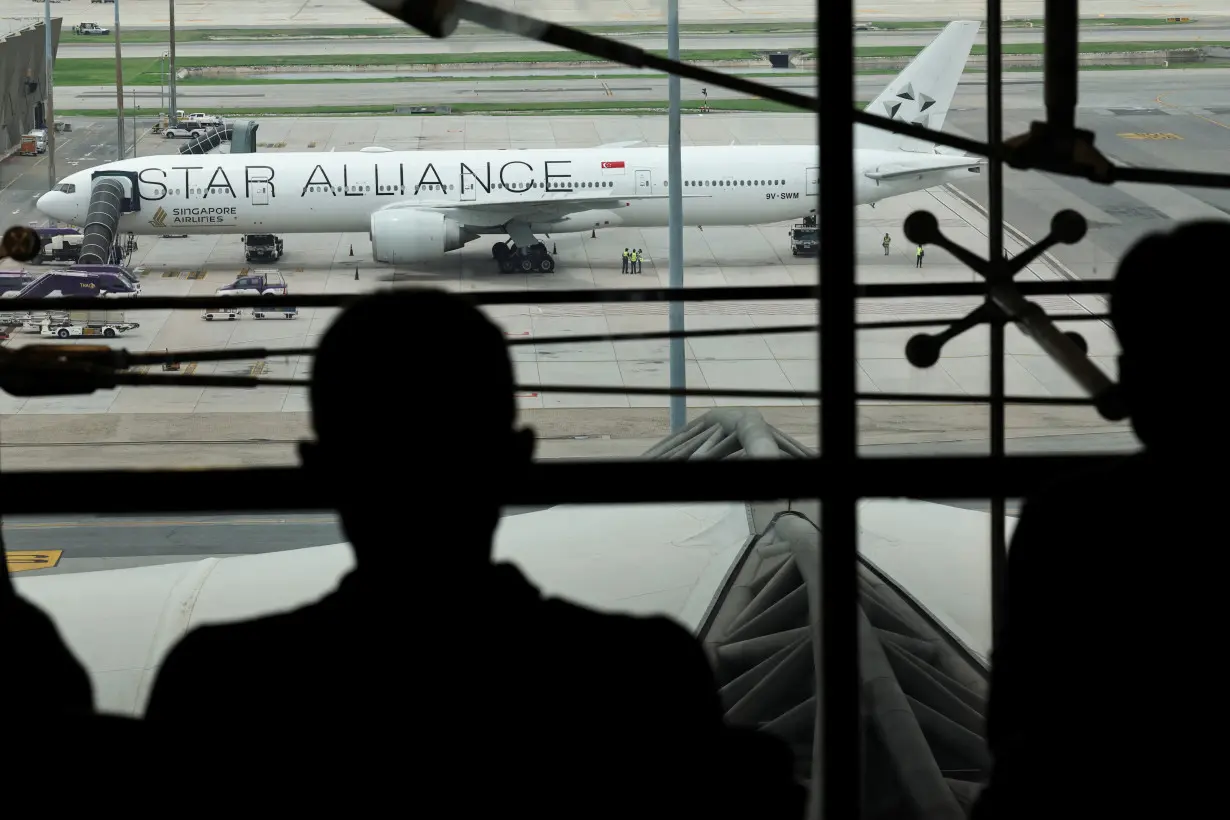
184 131
62 248
105 323
74 283
267 282
122 271
197 118
90 28
262 247
14 280
47 232
805 237
29 146
285 313
222 314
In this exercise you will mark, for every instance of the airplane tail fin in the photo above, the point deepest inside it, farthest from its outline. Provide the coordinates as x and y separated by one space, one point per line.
923 91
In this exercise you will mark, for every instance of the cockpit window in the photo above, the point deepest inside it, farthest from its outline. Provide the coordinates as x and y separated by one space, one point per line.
67 188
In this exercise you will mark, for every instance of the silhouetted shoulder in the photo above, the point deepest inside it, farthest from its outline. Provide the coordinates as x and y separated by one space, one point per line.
626 652
209 671
650 651
1095 481
48 665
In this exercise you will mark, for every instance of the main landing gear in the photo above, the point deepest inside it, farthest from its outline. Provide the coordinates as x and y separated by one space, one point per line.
530 256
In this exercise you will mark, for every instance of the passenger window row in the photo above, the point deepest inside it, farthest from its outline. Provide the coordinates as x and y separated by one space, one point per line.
729 182
557 186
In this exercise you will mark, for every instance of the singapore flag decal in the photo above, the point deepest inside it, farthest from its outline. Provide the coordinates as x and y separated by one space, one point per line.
612 168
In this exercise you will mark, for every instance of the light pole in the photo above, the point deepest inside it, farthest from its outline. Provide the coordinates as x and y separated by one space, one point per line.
135 110
162 84
49 114
674 179
119 85
171 68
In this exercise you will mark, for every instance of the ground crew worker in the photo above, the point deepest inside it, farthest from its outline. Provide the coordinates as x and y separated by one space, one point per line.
626 252
632 261
918 255
887 241
640 258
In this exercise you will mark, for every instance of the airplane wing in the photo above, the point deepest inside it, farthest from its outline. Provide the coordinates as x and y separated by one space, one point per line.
624 144
547 208
898 170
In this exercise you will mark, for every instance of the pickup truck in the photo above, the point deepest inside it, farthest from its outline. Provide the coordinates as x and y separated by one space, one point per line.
257 283
90 28
184 131
198 118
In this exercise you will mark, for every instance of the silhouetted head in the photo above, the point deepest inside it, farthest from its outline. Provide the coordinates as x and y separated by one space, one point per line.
413 407
1169 347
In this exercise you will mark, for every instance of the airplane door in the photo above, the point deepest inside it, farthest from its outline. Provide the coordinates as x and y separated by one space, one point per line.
467 191
260 193
813 182
644 182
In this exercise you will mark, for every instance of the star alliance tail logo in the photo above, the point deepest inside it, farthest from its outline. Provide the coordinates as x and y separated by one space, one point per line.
160 218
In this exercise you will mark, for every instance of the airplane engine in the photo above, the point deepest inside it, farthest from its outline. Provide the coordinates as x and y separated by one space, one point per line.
405 235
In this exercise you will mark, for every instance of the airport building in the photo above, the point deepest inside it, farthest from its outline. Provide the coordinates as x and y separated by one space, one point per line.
23 73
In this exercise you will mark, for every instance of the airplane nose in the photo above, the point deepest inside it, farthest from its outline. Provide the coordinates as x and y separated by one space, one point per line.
45 202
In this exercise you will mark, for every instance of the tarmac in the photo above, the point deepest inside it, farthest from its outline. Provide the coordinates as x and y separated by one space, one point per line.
607 424
163 427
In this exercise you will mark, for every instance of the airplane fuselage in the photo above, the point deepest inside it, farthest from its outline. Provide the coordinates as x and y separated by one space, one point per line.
287 193
338 192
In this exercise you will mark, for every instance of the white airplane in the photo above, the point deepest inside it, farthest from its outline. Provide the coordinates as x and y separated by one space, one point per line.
417 205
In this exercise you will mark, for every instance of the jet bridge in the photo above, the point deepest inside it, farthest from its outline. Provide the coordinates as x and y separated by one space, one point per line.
208 141
114 194
242 138
924 690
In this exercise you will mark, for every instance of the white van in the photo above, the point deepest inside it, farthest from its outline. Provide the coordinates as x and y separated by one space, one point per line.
40 139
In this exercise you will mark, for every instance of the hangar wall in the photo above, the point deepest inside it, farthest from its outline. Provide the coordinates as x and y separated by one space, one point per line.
23 81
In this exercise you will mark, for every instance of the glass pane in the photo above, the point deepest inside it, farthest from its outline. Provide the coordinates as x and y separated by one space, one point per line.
666 560
926 641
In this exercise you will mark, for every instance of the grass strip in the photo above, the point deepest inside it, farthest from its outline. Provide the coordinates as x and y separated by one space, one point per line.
147 71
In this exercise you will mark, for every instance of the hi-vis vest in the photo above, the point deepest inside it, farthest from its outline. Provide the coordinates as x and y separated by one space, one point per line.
626 255
634 257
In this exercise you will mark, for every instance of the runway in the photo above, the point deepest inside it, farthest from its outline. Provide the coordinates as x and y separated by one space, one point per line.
349 13
694 41
1188 89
